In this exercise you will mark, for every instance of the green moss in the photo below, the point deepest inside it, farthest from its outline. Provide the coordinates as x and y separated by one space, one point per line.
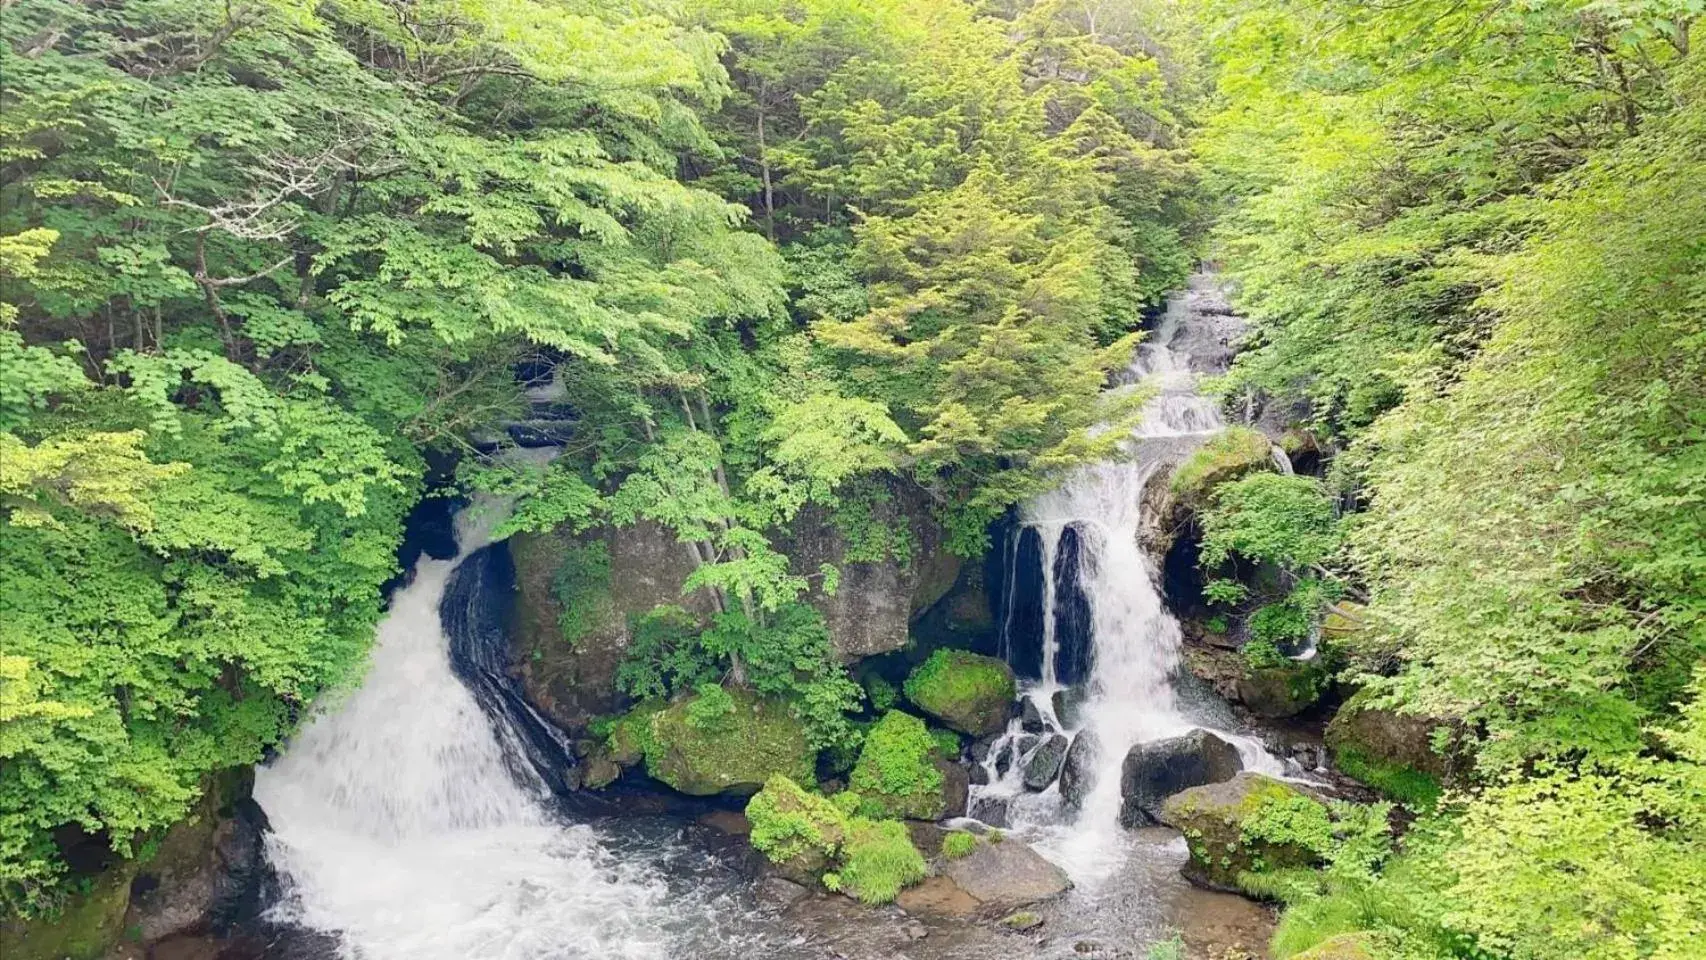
946 743
630 733
792 825
1404 784
1022 920
582 588
85 926
737 754
965 691
958 844
879 860
896 775
881 693
1228 455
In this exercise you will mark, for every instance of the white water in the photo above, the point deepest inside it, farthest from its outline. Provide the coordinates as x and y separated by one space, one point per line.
1135 641
397 822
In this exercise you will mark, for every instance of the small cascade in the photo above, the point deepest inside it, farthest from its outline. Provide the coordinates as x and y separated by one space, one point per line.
1134 641
410 822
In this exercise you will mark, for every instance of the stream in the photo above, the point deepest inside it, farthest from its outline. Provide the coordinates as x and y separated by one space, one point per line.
419 815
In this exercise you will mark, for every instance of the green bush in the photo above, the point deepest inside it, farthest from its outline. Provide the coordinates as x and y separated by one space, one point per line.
896 775
881 693
712 708
879 860
1269 517
1235 451
958 844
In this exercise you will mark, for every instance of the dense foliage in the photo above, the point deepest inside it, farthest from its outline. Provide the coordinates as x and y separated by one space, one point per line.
1469 240
264 260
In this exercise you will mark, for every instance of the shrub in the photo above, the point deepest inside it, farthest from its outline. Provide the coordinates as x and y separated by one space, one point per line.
1238 450
958 844
711 709
879 860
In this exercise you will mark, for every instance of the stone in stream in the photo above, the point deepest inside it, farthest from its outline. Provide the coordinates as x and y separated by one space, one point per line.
1004 759
1045 763
1068 704
980 747
1006 875
1156 770
1076 769
1030 718
956 788
991 811
978 775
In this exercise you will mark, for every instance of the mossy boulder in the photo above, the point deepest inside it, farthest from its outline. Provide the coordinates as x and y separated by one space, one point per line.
965 691
1226 456
735 752
896 774
1387 750
83 928
1281 691
799 832
1247 825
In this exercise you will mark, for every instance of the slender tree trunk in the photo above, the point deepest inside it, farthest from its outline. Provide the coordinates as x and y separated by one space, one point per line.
764 166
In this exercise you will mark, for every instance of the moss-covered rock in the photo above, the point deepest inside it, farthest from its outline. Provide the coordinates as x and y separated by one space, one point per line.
799 832
1387 750
735 752
1249 824
897 774
1226 456
1285 690
965 691
83 929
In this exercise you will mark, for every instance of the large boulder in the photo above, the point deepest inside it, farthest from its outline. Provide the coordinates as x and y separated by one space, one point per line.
965 691
1156 770
898 774
575 600
1077 770
1390 751
1223 827
1045 762
733 753
875 600
1004 874
1171 498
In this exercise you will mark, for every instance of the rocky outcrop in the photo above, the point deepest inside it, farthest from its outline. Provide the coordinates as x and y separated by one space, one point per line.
574 598
965 691
1171 497
1278 692
1156 770
88 924
204 867
874 602
1223 827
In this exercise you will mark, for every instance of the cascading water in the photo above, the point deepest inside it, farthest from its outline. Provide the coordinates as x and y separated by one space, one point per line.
403 822
1134 640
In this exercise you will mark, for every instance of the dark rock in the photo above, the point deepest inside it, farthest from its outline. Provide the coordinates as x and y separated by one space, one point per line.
927 837
1275 693
1155 770
1027 743
1030 718
991 810
980 748
978 775
1045 763
956 788
204 867
1076 769
1004 758
780 893
1068 705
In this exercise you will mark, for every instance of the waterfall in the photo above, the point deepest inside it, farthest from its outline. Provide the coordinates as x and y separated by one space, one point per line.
409 823
1134 641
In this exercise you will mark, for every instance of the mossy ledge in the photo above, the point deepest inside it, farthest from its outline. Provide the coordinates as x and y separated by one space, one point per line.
965 691
732 753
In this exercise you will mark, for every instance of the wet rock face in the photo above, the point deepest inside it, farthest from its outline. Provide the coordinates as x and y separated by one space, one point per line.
1155 770
1045 762
614 572
1076 769
1068 703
